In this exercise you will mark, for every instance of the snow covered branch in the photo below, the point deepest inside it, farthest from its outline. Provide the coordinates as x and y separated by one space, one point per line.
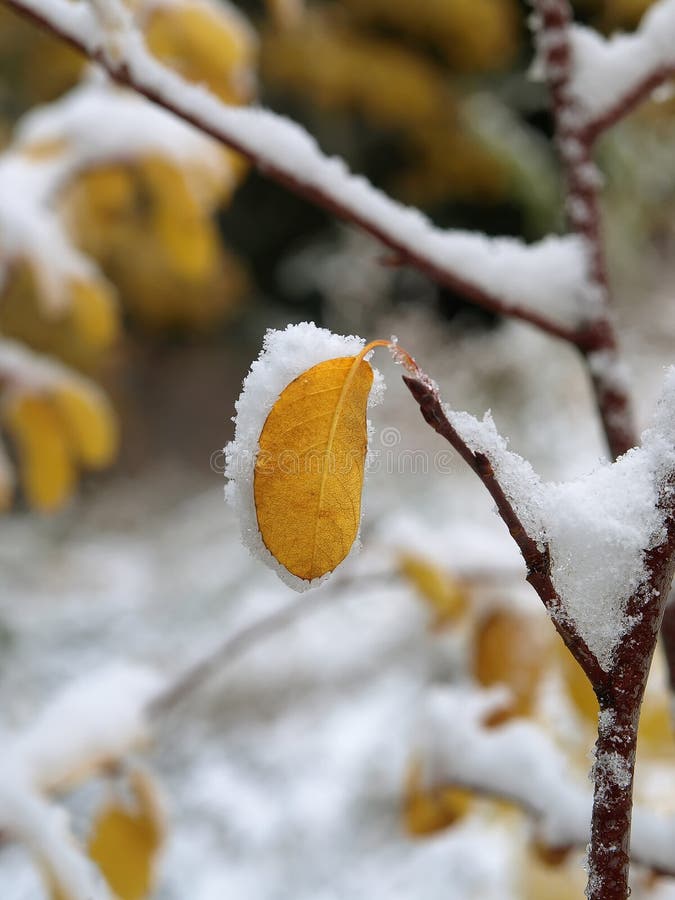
88 725
557 61
518 762
509 479
600 552
544 284
611 76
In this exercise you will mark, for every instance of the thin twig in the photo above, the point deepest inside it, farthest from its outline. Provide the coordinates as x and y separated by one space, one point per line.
599 344
236 645
536 555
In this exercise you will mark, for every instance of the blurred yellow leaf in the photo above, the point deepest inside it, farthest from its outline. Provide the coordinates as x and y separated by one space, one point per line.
509 651
473 35
445 595
46 467
126 838
428 811
87 323
207 45
94 313
578 686
309 471
89 421
655 732
150 227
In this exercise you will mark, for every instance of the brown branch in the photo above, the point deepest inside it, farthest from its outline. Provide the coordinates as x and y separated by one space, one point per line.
624 105
536 556
668 639
575 145
619 690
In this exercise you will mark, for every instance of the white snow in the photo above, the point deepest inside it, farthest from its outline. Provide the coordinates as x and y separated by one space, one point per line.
43 829
95 720
517 761
89 723
285 355
521 762
605 71
597 527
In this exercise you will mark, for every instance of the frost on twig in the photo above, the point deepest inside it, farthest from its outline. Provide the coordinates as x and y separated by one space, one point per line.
543 283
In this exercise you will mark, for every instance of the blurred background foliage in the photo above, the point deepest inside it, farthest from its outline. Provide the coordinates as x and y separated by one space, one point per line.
431 101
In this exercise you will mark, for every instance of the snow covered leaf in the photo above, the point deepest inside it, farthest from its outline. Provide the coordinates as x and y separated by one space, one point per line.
446 597
126 839
309 472
46 465
507 651
56 428
89 422
287 356
208 43
427 811
578 686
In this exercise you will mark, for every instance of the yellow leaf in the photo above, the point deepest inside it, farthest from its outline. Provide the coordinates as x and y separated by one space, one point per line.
94 313
89 422
47 471
309 471
446 596
578 686
125 840
206 44
508 651
428 811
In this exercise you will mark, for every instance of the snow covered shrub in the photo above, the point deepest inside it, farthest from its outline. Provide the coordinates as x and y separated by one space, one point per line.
599 550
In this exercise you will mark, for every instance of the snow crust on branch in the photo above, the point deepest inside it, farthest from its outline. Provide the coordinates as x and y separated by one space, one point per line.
285 355
92 722
94 124
43 829
89 723
518 761
598 527
606 71
546 280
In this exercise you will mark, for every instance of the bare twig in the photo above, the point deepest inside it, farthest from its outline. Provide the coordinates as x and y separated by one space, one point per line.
236 645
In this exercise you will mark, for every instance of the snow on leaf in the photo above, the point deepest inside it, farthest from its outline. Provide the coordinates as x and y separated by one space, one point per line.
285 356
309 472
445 595
127 837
